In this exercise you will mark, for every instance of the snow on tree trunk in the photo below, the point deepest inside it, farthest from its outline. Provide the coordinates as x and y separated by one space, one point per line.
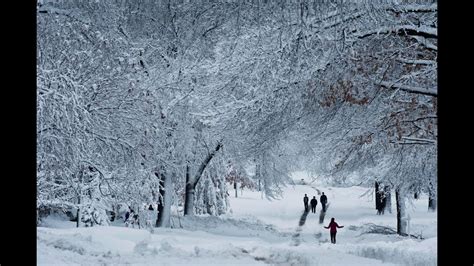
257 175
164 201
165 211
161 200
235 188
402 220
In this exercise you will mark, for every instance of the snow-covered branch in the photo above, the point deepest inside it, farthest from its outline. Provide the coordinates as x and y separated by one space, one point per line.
424 31
417 61
410 89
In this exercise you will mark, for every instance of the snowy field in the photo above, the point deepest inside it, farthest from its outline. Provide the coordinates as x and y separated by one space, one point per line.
255 232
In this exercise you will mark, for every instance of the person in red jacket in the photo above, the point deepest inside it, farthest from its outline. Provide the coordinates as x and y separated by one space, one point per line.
333 225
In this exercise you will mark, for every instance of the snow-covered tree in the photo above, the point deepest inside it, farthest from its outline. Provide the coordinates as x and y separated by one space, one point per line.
153 97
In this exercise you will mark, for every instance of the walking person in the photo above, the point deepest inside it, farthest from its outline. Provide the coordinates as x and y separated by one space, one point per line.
305 200
333 226
324 200
127 216
313 202
135 220
129 220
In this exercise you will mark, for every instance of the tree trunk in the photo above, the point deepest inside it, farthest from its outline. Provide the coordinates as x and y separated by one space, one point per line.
189 197
431 201
235 188
161 199
388 194
164 205
377 196
257 173
191 184
79 200
78 223
402 222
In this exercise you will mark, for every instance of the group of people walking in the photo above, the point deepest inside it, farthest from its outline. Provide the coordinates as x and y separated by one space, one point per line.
314 202
131 218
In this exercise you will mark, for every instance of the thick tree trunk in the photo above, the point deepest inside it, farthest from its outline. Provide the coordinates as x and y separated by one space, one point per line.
402 221
164 207
191 183
189 202
189 197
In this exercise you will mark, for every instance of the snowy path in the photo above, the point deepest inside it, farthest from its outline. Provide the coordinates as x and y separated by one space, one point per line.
257 232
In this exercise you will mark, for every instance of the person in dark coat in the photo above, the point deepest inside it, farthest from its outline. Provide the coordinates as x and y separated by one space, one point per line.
333 226
135 220
305 200
324 200
313 202
129 217
150 208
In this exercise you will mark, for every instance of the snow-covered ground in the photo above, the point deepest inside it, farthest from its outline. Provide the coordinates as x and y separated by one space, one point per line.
255 232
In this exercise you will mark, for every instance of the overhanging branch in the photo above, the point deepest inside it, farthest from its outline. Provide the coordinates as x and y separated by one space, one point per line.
410 89
427 32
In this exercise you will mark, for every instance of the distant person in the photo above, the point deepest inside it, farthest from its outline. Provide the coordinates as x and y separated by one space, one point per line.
150 208
135 220
313 202
305 200
333 226
127 215
130 220
324 200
